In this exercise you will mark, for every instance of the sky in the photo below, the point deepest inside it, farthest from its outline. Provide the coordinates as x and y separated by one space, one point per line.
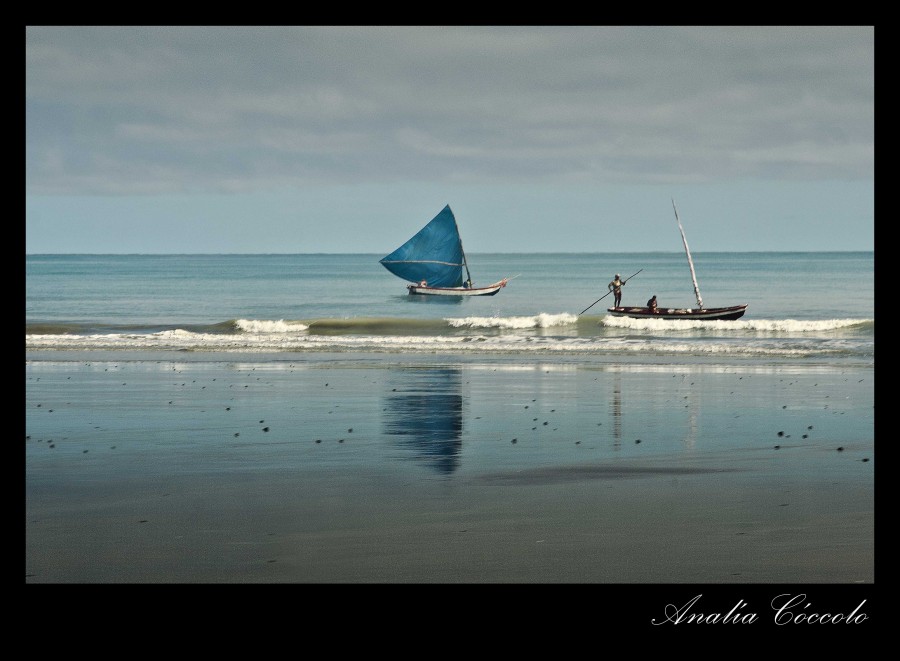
348 139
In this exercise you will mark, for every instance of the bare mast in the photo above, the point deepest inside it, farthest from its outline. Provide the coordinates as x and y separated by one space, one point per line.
463 251
687 251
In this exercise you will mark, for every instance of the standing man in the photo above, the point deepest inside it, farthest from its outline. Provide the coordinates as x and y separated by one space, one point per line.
616 288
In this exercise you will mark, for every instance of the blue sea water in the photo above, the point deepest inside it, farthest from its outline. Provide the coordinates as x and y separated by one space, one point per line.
301 418
809 306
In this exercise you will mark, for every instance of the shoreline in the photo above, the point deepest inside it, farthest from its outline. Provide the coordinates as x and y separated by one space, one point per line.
427 469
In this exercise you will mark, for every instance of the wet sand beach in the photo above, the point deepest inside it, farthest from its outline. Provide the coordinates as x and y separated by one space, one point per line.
436 470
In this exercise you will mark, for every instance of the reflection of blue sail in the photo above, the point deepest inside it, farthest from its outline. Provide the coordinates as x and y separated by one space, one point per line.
426 412
434 254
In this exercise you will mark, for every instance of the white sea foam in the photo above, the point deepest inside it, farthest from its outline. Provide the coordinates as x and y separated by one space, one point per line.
263 326
181 340
774 325
542 320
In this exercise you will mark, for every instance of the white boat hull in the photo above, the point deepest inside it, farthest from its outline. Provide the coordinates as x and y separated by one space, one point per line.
424 290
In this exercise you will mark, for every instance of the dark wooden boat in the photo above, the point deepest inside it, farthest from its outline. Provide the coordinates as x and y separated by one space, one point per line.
729 313
725 314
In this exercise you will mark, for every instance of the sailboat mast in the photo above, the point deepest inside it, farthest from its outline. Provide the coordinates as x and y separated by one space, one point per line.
466 264
463 251
687 251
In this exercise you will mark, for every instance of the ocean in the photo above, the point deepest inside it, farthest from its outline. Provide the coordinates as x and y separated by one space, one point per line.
302 419
802 306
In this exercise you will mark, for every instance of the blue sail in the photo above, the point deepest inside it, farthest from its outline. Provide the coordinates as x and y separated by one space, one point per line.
434 254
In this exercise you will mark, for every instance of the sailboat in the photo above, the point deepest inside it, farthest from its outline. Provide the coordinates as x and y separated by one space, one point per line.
700 312
433 261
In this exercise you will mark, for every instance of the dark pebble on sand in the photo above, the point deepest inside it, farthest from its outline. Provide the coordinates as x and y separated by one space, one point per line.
265 429
513 441
781 433
637 440
777 447
865 459
840 449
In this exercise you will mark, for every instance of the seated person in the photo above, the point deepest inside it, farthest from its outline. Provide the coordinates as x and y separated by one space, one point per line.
652 303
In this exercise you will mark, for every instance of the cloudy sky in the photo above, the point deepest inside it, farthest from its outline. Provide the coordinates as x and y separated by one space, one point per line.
349 139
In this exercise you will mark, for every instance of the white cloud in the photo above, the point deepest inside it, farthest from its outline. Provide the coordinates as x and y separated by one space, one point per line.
539 103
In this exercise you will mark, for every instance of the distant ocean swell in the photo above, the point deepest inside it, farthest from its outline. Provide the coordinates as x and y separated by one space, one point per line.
540 334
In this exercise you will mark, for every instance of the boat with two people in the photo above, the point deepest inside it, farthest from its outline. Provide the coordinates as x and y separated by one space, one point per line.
700 312
433 261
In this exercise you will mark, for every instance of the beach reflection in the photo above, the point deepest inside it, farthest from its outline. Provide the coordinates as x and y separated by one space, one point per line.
616 404
424 412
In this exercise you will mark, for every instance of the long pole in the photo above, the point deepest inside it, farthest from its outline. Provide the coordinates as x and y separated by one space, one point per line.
607 293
